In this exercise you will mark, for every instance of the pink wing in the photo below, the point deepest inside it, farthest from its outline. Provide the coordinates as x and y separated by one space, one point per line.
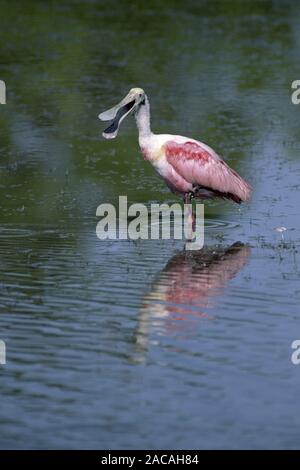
200 166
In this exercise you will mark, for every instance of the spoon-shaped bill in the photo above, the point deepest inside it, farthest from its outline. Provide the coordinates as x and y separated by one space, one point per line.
112 130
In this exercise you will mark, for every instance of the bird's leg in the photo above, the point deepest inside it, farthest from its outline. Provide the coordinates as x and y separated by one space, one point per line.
188 197
188 213
193 221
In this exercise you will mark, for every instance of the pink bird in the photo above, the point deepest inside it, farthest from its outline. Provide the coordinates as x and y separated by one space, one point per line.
189 167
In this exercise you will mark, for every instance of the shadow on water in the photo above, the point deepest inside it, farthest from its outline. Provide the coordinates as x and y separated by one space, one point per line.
190 283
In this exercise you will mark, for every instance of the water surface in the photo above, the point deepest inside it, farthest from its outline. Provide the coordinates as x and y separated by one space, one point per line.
123 344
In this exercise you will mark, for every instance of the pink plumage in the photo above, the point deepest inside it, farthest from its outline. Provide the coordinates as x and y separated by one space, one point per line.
209 175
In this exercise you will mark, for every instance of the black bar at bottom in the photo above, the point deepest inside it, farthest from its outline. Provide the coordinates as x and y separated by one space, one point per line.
134 458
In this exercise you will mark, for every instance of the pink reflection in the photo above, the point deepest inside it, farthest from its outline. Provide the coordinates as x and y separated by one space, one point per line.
188 285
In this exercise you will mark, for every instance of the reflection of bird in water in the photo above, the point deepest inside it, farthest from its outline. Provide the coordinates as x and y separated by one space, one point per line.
185 288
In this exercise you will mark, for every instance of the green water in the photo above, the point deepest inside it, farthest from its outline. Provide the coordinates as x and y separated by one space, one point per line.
122 344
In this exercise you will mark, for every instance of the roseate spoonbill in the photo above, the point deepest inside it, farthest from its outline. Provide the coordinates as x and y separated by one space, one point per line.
189 167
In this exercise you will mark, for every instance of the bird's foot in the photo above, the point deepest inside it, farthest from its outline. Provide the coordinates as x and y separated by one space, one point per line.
188 197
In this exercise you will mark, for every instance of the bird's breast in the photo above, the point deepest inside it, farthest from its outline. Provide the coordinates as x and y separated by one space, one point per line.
152 153
153 150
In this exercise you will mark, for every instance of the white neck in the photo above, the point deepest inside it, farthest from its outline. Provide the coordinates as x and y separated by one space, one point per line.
142 117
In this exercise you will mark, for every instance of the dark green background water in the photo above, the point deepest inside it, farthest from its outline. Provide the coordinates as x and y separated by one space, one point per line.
137 344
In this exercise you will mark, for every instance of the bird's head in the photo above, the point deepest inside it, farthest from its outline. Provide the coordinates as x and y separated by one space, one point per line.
129 104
